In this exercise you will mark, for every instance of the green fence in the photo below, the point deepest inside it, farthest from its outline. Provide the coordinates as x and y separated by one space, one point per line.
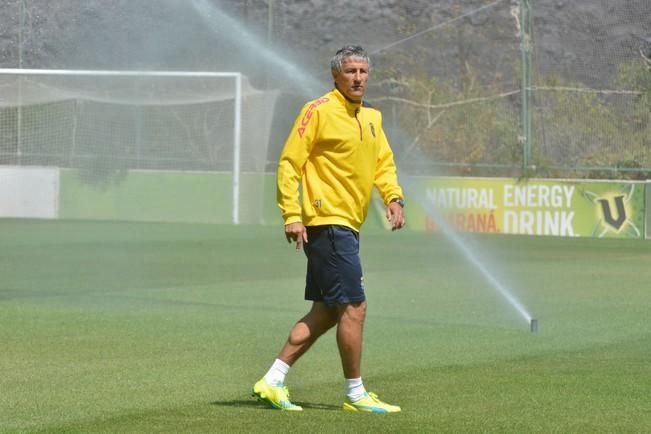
173 196
569 208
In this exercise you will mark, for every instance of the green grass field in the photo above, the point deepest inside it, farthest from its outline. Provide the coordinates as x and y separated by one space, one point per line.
118 327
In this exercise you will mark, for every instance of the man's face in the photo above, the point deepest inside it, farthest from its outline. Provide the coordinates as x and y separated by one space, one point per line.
352 79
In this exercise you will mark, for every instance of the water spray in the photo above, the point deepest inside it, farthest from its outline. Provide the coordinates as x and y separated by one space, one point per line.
220 22
452 235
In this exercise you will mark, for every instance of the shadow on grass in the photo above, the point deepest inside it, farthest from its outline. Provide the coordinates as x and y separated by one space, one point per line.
252 403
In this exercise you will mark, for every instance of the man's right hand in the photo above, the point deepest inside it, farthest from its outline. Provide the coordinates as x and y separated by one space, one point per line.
296 232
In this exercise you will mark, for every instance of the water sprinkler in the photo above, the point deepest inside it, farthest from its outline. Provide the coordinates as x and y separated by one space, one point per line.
534 325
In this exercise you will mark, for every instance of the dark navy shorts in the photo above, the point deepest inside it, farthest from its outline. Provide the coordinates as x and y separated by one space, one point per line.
334 270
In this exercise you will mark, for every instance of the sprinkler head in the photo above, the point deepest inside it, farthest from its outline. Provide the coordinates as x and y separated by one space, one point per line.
534 326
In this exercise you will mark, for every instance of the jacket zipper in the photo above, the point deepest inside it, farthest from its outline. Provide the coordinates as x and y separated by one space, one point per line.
359 124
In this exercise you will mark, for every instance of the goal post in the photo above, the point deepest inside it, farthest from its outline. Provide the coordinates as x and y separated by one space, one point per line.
118 121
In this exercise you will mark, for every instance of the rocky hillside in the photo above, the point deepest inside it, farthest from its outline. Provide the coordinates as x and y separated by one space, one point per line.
584 39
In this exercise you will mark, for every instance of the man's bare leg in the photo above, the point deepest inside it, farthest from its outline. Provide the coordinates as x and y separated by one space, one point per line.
350 329
307 330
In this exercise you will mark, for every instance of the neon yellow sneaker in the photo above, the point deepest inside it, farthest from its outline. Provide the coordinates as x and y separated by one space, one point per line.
275 396
370 403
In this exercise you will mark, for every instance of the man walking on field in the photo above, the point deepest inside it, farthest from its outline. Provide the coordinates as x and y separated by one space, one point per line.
338 151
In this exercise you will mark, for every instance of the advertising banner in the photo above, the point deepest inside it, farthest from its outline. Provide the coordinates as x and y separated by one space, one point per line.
528 207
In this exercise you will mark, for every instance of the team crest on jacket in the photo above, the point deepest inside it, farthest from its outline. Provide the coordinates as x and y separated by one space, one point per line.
370 124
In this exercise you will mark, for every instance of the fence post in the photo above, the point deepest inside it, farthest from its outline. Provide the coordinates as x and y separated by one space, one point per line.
526 47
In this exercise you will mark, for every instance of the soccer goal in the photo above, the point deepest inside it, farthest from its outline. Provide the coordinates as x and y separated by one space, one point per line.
201 137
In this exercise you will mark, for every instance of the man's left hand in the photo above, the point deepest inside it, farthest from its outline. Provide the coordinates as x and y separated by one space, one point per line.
396 216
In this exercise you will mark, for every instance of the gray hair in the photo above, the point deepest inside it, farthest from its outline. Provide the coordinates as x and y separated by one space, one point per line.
344 53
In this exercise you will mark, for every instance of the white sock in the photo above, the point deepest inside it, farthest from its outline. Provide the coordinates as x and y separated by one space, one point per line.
277 372
355 389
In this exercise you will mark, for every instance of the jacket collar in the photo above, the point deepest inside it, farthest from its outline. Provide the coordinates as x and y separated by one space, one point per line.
351 106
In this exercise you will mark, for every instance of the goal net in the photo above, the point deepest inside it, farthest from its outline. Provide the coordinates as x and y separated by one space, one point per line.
142 145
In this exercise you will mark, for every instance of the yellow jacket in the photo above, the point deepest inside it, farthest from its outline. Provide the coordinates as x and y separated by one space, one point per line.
338 150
